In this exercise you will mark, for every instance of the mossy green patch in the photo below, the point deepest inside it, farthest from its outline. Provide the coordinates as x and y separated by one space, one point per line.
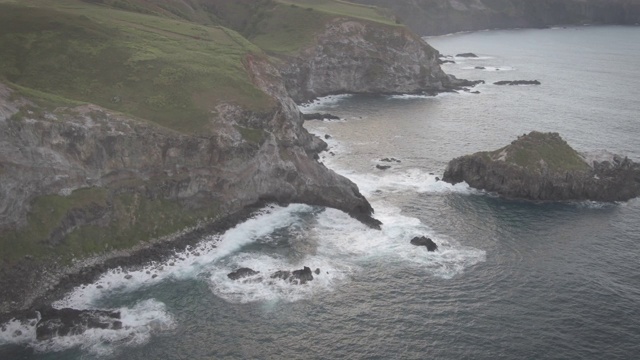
46 215
95 222
255 136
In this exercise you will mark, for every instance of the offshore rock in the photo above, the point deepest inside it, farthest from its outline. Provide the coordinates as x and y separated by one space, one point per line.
242 273
467 55
542 166
424 241
320 116
298 277
517 82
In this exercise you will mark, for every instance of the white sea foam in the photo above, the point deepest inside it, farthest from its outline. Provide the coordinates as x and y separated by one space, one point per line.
183 265
138 323
261 287
330 101
490 68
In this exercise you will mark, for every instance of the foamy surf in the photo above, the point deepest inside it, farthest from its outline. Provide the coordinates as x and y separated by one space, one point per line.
330 101
185 264
139 322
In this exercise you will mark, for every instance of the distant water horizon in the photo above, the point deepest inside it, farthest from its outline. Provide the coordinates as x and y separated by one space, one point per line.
511 279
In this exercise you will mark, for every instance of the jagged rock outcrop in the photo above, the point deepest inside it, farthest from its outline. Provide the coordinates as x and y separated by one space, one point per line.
436 17
357 57
542 166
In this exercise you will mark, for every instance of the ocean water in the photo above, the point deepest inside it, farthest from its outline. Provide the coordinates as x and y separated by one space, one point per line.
511 279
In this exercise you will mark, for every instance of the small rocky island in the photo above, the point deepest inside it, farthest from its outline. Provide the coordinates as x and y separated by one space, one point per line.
542 166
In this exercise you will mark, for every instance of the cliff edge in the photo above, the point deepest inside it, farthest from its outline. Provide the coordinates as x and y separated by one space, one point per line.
542 166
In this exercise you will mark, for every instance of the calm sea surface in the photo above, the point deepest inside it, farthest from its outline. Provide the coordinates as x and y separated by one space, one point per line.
510 280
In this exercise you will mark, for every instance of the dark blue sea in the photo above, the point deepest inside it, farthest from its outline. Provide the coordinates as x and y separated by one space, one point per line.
511 279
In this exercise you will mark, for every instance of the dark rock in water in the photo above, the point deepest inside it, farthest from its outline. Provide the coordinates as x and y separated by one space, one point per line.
424 241
440 61
390 160
480 67
517 82
382 167
281 274
464 83
475 92
467 55
437 179
320 116
327 136
299 277
63 322
242 273
542 166
317 271
302 276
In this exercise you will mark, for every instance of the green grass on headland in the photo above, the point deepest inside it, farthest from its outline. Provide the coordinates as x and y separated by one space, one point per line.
538 150
171 72
127 219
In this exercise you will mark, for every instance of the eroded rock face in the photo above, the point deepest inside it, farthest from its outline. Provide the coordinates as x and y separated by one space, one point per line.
541 166
356 57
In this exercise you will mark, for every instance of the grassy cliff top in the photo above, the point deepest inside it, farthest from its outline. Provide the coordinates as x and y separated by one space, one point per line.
170 71
167 61
538 150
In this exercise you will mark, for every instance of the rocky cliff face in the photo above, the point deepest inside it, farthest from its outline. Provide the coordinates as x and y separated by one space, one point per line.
435 17
357 57
541 166
95 172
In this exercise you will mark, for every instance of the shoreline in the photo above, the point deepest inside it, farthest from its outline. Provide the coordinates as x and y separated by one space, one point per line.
90 269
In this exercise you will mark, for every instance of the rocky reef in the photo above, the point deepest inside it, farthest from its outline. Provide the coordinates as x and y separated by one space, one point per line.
542 166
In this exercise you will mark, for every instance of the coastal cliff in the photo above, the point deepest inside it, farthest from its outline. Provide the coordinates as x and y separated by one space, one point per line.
542 166
136 129
436 17
350 56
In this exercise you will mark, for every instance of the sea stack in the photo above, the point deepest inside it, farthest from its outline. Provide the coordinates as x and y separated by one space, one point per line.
542 166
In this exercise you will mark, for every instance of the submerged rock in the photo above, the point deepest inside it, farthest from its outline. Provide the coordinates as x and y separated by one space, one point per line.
298 277
320 116
64 322
517 82
382 167
424 241
542 166
242 273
